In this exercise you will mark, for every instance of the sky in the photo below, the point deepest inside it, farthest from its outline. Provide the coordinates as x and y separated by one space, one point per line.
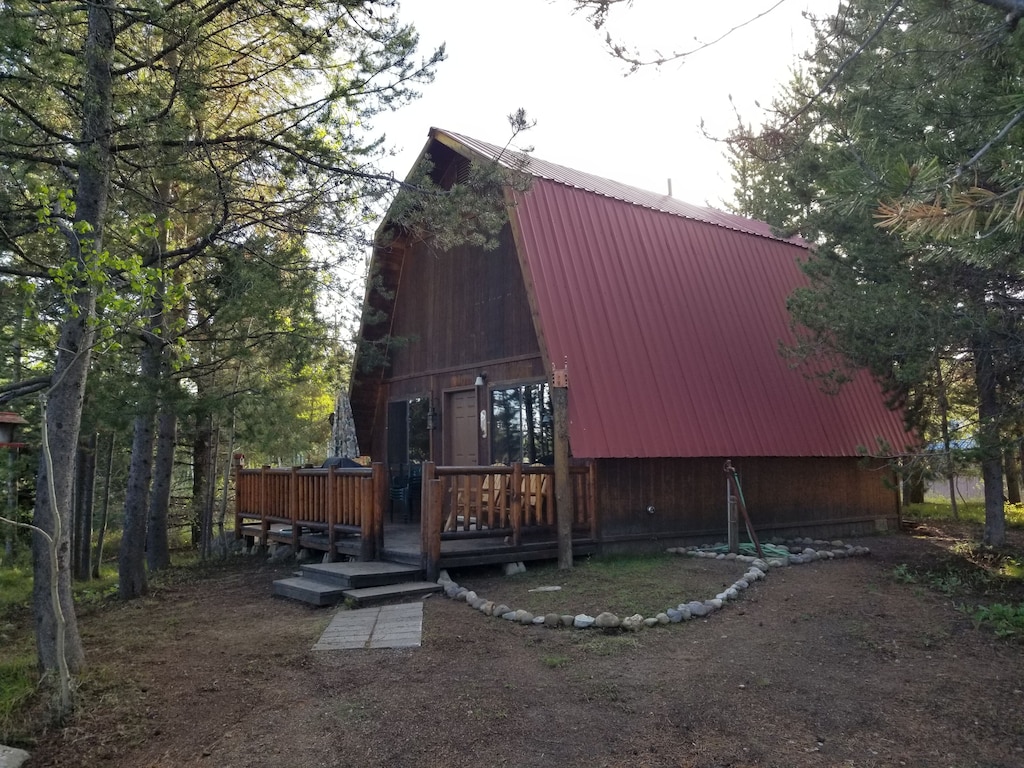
640 129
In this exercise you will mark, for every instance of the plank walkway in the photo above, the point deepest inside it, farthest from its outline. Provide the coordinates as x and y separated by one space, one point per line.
386 626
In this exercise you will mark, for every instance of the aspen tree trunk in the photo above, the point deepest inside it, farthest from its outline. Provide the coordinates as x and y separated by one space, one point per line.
66 398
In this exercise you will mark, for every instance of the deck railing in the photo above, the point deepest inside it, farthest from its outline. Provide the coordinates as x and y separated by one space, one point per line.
515 503
330 501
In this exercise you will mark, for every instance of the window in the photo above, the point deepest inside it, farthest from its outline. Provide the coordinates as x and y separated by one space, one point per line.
522 425
408 435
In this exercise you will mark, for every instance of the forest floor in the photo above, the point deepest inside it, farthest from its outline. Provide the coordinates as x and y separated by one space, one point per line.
867 661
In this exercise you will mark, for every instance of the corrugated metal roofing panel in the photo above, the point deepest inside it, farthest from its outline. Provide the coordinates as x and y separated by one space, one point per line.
671 329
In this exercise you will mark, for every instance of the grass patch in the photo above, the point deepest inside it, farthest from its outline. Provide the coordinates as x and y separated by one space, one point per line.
623 585
969 512
18 684
15 591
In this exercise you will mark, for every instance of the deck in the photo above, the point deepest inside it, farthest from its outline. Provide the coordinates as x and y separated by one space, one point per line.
466 516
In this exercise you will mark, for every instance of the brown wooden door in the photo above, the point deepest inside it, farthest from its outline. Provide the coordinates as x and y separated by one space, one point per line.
460 439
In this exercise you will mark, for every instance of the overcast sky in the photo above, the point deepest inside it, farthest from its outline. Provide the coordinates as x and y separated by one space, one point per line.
641 129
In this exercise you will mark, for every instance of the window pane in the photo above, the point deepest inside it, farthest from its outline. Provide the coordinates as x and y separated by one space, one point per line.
419 435
522 425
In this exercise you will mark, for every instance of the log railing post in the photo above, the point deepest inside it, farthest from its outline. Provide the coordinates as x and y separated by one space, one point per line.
293 503
367 536
239 490
516 510
432 496
373 509
332 513
264 503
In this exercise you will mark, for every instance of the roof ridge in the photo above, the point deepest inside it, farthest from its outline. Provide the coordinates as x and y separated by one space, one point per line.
617 190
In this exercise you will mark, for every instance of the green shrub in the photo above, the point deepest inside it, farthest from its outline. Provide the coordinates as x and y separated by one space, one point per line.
1005 620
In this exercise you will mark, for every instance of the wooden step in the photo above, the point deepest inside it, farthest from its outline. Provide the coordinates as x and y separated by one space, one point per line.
309 590
391 592
355 574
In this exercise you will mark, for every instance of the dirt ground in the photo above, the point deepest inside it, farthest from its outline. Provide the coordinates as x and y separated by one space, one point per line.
857 662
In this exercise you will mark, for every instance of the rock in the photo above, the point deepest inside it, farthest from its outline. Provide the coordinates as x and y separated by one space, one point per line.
326 558
650 622
661 618
721 596
538 620
545 589
280 553
809 551
582 621
511 569
837 544
487 607
730 556
444 578
761 564
714 603
698 609
500 610
509 616
777 562
607 620
567 619
741 585
633 623
451 590
476 602
552 620
524 617
674 615
684 611
469 597
732 593
11 757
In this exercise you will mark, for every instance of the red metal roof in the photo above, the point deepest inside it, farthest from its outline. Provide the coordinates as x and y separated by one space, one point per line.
670 318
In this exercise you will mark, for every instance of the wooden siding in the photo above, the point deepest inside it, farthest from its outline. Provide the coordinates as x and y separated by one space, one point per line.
459 308
784 495
455 314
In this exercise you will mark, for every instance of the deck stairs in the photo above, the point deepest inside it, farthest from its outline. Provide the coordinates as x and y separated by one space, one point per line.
359 582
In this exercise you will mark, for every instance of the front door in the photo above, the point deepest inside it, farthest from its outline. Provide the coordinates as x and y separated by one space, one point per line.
460 445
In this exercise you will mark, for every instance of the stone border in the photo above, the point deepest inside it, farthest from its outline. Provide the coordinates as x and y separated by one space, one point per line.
801 551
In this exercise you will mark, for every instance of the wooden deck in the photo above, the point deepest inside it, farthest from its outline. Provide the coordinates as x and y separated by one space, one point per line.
467 515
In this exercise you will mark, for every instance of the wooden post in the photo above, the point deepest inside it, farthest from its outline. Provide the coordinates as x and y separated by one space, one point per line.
380 502
264 497
733 517
563 486
430 522
516 509
332 515
293 502
367 536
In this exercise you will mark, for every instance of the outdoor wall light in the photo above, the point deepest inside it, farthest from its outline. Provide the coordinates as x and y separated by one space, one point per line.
481 379
650 509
